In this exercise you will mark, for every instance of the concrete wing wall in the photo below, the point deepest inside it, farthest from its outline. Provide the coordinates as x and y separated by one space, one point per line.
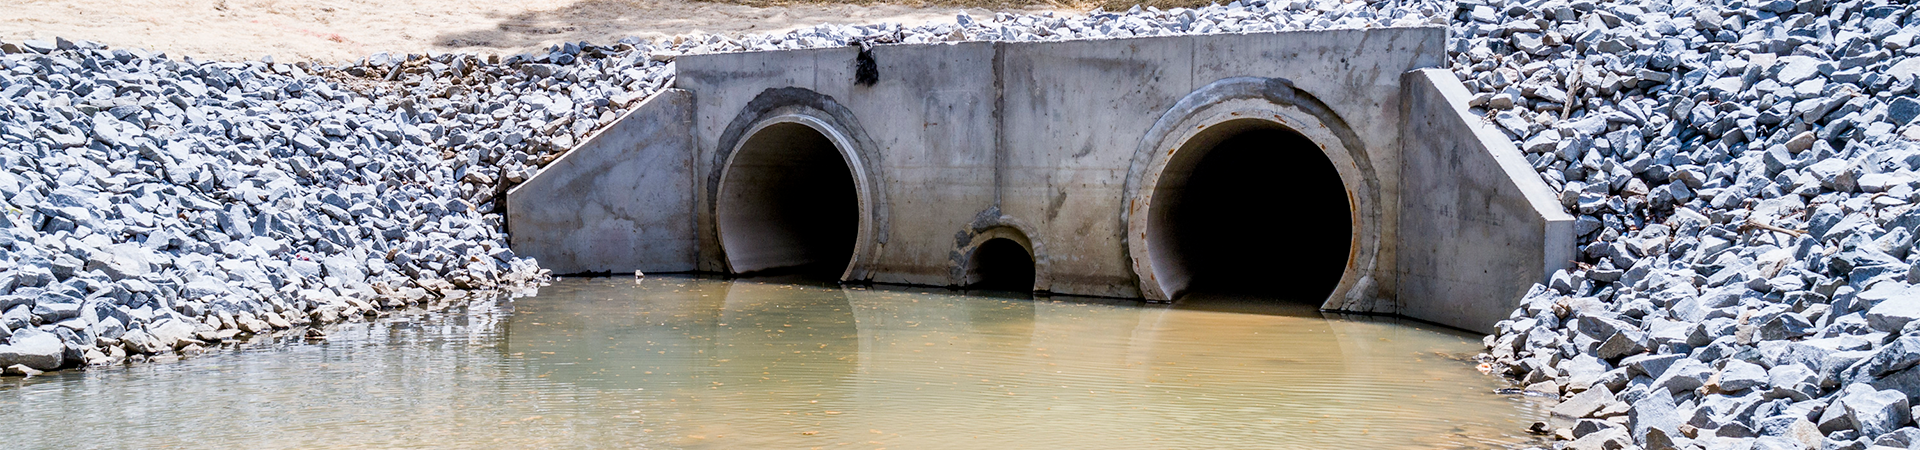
621 201
1477 225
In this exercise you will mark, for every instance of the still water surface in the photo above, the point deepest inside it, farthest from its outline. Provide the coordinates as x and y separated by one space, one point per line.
689 363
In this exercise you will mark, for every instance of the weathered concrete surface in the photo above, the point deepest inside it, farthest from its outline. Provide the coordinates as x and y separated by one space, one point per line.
1478 226
1044 138
617 202
1086 120
923 134
1065 148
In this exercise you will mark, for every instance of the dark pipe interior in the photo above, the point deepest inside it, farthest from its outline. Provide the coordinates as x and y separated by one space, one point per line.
791 206
1264 213
1003 265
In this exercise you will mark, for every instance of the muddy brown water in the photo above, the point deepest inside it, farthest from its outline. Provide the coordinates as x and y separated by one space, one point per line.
691 363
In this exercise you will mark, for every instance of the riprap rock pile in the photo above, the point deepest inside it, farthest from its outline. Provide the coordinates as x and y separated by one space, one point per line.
1743 175
154 205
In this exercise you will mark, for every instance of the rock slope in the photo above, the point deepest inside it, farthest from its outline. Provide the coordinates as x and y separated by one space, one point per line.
1743 175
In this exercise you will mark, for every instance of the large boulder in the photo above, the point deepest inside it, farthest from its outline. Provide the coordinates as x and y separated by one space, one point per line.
122 261
1894 311
1871 411
55 306
33 348
172 333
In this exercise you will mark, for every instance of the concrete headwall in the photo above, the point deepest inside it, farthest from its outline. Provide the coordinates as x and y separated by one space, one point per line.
617 202
1060 147
1478 227
958 140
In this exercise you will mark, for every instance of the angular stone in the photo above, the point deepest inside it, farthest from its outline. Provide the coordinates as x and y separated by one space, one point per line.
1895 356
1582 405
1895 311
1875 412
1785 326
1683 376
202 288
55 307
1656 410
1739 375
1604 439
1902 110
33 348
1620 345
344 268
138 341
121 261
1792 70
172 333
1652 365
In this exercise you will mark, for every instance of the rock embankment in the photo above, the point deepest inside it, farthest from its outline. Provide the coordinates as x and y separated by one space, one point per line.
1744 178
154 205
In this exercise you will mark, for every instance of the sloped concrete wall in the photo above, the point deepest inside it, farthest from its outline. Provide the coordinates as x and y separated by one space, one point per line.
619 201
1478 226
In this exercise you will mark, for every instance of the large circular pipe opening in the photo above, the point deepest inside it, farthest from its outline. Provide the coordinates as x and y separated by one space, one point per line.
1251 208
1001 264
788 204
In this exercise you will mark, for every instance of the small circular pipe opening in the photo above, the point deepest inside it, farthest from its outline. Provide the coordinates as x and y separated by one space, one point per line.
1001 264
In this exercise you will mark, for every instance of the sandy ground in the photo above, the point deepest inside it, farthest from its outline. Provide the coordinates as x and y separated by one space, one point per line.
344 30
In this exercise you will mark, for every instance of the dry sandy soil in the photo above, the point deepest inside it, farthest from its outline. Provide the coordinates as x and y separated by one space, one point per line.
345 30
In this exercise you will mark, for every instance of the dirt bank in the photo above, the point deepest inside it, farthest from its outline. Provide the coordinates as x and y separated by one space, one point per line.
341 30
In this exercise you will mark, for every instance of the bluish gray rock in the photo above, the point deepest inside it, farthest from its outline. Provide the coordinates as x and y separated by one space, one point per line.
1739 375
1785 326
1792 70
56 306
1683 376
1655 411
1897 305
1902 110
1874 412
121 261
171 333
1897 355
33 348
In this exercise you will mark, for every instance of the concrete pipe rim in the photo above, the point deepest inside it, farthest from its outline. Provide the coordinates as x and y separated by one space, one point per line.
1240 115
1007 229
844 146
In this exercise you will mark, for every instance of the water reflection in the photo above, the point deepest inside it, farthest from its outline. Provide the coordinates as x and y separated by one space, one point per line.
701 363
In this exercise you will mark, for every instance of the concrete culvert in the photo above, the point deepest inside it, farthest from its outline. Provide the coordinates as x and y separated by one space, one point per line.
787 203
1252 208
1001 265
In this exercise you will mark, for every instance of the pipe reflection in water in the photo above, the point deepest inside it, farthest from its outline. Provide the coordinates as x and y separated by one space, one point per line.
678 362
